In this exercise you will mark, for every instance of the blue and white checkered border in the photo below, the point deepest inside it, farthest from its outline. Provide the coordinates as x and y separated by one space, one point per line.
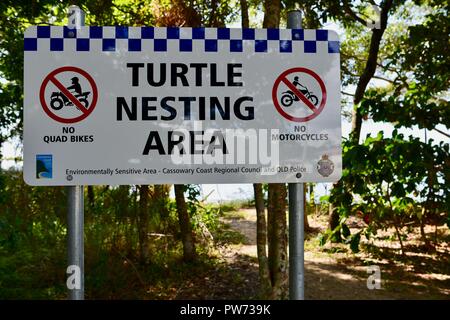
137 39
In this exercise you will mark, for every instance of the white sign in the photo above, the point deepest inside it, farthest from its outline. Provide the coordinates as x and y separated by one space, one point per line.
143 105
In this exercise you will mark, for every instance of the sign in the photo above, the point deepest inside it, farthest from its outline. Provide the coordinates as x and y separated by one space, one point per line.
143 105
296 91
84 102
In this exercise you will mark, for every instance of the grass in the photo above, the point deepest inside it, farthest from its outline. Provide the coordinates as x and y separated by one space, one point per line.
224 235
235 205
234 215
34 272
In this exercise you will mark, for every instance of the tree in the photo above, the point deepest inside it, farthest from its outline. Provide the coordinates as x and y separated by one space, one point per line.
143 223
261 224
189 252
244 14
277 199
179 13
350 14
398 179
261 240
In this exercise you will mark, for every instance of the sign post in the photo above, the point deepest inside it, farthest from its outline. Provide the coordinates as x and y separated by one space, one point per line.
296 215
75 213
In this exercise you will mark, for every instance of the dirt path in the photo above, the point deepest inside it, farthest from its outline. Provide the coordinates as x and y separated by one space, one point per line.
342 275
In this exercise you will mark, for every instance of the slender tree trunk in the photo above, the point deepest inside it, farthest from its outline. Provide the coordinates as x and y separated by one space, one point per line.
399 237
364 79
422 233
427 242
124 204
135 216
244 14
261 225
91 198
272 10
190 18
143 224
261 241
369 70
277 240
276 214
189 252
160 199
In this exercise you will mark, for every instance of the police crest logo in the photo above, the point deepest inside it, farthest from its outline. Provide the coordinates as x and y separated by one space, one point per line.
325 166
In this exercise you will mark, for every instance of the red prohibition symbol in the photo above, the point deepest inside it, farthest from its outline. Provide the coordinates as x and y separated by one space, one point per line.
65 97
309 100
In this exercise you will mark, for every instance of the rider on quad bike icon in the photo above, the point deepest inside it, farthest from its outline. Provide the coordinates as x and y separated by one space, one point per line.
59 100
288 97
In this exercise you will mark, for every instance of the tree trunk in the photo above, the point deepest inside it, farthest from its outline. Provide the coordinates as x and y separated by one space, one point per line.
261 225
244 14
272 10
143 224
189 17
369 70
427 242
399 237
364 79
276 214
189 252
277 237
261 241
423 235
91 198
160 200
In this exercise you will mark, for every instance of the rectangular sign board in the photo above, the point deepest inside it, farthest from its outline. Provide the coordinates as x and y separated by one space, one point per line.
144 105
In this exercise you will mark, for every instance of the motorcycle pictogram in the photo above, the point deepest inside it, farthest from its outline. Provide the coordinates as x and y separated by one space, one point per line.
59 100
288 97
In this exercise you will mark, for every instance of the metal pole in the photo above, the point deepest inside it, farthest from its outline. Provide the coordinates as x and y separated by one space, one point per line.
296 214
75 214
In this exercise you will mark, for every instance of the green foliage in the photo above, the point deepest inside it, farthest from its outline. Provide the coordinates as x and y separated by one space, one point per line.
416 105
202 215
235 205
354 242
33 241
389 181
389 176
32 273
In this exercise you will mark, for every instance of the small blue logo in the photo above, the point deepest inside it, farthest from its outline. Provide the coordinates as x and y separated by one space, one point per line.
44 166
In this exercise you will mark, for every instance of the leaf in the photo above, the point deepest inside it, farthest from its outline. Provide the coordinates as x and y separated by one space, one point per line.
345 231
354 243
398 190
323 239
